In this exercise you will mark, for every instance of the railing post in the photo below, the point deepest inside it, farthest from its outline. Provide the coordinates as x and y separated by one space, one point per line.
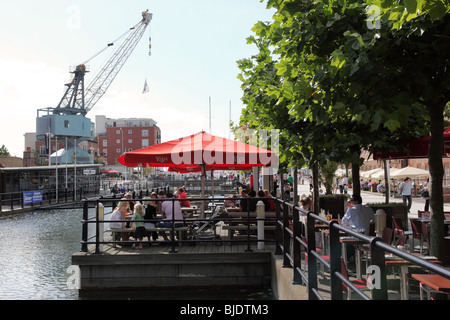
261 214
172 231
84 235
377 270
312 261
286 236
296 247
278 231
335 262
97 229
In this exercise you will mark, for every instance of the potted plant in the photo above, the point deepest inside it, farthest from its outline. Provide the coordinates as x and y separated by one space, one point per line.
334 204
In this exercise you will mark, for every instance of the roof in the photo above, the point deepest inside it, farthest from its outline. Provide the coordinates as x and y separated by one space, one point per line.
8 162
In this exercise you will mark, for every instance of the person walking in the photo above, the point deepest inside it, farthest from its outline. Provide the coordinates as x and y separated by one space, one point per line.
406 188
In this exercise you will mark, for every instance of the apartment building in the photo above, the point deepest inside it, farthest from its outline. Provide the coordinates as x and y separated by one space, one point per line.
117 136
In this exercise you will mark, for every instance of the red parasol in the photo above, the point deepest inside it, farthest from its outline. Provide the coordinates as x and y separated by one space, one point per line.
418 148
201 150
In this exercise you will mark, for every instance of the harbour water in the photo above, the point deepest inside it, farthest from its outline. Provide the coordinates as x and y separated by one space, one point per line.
35 253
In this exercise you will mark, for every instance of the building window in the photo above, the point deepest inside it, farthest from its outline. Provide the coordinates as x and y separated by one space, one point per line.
145 133
117 140
130 140
66 123
105 152
130 131
117 131
118 151
145 143
105 143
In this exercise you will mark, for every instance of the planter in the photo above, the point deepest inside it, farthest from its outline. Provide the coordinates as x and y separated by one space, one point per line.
397 210
334 204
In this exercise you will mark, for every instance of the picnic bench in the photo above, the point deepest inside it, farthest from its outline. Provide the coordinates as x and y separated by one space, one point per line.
232 228
179 230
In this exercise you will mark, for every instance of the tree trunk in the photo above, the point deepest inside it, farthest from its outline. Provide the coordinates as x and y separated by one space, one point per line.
355 179
316 196
436 112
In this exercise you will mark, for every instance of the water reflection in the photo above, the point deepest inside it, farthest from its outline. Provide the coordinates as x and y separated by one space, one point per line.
36 250
35 253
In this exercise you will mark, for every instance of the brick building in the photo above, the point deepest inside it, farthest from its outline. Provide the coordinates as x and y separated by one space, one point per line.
117 136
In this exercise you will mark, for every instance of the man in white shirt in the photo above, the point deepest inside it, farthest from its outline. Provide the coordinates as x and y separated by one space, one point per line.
406 188
358 216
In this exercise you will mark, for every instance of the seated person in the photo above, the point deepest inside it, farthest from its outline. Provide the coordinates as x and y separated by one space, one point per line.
272 205
243 203
167 208
120 213
261 194
252 201
182 195
358 216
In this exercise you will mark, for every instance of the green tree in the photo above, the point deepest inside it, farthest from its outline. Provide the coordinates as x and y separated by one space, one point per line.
4 151
334 83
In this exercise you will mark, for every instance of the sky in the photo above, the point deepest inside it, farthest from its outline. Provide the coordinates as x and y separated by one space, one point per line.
195 48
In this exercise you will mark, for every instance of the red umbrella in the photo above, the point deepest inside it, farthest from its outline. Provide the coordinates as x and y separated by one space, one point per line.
201 150
418 148
110 171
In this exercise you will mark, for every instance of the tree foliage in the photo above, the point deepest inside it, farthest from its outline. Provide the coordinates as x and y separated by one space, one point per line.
4 151
334 78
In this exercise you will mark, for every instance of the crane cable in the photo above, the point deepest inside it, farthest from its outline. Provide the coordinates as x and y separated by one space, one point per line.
111 43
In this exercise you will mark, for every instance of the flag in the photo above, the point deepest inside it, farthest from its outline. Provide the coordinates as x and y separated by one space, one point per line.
145 87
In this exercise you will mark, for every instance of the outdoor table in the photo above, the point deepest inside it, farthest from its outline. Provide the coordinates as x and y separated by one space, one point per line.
392 260
434 281
357 244
188 211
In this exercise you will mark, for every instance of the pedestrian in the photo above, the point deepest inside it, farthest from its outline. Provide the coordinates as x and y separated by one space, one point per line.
425 194
406 188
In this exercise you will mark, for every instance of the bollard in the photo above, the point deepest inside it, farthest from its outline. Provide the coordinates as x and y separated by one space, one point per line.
380 222
101 225
260 215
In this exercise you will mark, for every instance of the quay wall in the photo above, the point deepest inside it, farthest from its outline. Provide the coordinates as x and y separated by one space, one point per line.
178 270
173 270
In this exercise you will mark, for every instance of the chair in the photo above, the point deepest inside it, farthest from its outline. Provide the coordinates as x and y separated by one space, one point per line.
387 235
398 228
447 251
423 214
318 250
420 232
359 284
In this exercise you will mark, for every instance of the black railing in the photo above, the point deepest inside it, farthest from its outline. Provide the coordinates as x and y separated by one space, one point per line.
97 220
292 233
292 241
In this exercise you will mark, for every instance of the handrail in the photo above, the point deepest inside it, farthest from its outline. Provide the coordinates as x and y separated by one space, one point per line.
377 248
95 220
289 244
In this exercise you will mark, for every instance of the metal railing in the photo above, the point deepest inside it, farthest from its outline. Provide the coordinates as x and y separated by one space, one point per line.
100 219
292 233
292 240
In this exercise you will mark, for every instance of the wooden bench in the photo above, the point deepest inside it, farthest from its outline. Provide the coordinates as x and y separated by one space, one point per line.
232 228
179 230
